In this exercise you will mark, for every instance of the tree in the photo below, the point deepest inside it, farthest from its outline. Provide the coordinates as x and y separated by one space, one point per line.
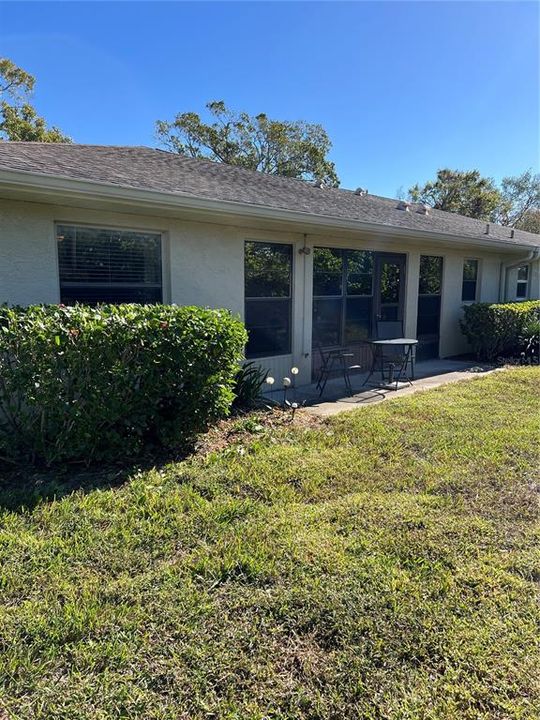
14 80
521 196
290 148
18 118
466 193
24 124
530 222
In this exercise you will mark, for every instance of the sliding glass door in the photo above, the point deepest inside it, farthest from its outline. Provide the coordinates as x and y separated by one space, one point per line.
352 289
342 296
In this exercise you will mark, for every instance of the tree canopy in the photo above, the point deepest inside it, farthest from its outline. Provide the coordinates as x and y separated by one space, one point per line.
466 193
521 201
279 147
14 81
18 118
531 222
516 203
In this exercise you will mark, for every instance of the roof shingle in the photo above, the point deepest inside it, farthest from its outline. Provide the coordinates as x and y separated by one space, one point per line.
158 170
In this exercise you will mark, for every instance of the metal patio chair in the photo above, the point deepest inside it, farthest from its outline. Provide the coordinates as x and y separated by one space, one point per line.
335 361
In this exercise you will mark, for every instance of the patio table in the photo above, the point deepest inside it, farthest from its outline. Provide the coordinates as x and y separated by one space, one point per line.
404 361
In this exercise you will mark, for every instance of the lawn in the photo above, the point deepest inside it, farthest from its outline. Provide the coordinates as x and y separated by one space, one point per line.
383 564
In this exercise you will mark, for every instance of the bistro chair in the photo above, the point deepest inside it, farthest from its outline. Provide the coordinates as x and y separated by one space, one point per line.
335 361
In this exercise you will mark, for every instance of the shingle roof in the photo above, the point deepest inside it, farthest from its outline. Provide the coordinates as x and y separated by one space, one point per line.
158 170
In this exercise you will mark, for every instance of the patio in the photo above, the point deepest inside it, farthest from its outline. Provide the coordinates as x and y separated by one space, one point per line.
335 399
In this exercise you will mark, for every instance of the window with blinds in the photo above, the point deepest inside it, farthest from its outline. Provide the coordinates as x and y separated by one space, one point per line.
100 265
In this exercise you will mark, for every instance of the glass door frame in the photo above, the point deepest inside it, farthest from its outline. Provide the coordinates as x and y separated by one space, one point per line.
361 349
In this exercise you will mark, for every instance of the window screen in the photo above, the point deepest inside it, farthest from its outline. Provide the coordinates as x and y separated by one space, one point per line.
522 282
470 280
268 282
342 296
99 265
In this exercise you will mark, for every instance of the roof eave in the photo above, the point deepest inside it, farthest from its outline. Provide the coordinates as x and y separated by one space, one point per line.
28 182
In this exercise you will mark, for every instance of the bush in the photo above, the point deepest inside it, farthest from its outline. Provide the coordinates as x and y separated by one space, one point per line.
82 384
529 340
495 330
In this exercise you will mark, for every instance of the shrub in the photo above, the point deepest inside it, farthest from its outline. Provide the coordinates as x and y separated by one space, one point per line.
529 340
249 381
494 330
81 383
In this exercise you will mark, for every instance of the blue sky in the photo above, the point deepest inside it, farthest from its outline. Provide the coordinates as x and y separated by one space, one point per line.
402 88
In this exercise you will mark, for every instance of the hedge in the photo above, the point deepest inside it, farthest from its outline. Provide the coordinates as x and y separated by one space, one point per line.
495 330
83 384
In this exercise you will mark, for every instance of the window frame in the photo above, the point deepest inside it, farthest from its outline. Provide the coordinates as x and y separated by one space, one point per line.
344 297
430 338
289 298
476 279
523 283
430 294
163 252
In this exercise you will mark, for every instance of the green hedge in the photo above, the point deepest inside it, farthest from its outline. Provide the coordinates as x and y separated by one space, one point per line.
83 384
495 330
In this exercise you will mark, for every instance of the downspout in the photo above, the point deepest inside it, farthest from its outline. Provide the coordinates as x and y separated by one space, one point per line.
503 279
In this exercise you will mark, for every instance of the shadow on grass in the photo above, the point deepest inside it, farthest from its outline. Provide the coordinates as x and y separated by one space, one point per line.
24 487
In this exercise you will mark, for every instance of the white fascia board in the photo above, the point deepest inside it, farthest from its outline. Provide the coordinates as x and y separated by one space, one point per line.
24 181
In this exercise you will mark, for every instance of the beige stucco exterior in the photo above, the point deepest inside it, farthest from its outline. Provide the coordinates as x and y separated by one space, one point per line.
203 264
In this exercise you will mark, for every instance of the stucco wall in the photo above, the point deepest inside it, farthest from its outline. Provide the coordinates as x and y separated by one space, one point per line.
28 265
203 264
533 289
197 268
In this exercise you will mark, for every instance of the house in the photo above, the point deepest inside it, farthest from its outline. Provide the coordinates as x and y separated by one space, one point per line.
305 266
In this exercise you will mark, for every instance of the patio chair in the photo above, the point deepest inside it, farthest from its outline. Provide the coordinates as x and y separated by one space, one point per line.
335 361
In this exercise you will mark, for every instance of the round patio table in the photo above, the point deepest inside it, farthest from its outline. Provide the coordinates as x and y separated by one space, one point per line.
398 371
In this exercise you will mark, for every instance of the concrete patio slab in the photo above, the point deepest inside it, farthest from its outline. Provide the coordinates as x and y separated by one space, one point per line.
429 374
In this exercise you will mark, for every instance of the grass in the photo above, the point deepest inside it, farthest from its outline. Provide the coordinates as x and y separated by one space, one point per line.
382 565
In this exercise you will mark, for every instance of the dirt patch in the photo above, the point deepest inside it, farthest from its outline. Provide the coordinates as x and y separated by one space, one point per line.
241 429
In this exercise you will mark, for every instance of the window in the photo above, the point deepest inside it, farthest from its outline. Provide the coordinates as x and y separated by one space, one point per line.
429 306
522 282
268 282
342 296
470 280
430 282
100 265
